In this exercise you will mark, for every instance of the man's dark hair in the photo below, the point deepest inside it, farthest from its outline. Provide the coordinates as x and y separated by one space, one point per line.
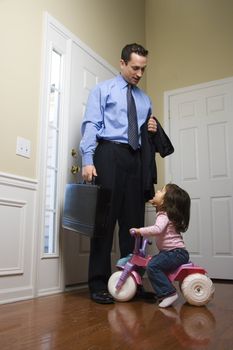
132 48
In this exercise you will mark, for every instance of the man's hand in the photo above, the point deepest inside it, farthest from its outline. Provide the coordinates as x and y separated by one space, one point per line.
152 124
88 171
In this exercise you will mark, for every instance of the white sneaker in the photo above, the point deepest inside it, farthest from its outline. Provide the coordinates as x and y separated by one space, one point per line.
168 301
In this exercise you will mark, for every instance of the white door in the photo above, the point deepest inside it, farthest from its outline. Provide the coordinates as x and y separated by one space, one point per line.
86 71
201 129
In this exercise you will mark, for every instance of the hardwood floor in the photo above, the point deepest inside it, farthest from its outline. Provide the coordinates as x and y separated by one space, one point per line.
72 321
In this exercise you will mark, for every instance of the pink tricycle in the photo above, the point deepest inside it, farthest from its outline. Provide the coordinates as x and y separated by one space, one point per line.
196 287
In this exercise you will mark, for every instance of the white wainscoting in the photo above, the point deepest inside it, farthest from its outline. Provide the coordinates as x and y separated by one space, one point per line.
17 238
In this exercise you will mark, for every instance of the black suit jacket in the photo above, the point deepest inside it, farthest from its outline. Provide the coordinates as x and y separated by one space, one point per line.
152 143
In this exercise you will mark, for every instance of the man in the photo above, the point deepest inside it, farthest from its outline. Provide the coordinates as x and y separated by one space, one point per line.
109 155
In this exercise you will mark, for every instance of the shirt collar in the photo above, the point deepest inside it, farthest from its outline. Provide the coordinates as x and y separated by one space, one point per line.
122 82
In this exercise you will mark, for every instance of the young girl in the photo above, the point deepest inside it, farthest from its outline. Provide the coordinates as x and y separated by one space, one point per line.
173 211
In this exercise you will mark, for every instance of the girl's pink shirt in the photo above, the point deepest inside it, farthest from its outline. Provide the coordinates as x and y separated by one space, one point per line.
166 236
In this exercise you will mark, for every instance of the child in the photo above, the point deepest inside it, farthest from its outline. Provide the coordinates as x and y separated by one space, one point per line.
173 211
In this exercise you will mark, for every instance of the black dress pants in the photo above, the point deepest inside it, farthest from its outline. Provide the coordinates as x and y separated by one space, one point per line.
119 170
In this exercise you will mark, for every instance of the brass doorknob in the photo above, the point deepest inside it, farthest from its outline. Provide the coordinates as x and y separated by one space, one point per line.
73 152
75 169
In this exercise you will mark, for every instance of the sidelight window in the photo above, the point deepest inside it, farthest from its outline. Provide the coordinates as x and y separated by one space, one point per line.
51 224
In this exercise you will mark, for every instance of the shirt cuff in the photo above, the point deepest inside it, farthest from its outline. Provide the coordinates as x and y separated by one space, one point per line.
87 159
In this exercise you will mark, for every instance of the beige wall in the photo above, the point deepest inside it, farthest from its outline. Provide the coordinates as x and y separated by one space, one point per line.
101 24
190 42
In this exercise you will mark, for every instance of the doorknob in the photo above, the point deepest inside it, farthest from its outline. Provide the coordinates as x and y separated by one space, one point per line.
75 169
73 152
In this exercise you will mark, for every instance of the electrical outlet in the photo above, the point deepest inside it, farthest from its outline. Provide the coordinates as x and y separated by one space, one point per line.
23 147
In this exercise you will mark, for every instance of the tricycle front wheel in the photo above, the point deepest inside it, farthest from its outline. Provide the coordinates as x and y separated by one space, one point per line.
126 292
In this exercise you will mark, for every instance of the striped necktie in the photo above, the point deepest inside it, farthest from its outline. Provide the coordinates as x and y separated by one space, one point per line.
132 119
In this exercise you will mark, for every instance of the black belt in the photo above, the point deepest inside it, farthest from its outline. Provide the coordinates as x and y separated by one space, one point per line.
121 144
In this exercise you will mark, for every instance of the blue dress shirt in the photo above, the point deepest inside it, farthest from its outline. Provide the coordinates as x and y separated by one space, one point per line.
106 115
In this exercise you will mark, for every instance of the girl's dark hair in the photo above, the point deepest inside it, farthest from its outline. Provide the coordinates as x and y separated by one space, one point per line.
177 204
128 49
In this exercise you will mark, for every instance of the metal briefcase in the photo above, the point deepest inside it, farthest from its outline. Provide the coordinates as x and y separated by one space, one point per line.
86 209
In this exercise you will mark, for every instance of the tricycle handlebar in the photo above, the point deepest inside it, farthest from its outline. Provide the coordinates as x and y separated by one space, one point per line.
132 232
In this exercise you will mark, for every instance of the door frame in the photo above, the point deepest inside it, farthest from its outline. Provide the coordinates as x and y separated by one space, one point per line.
49 270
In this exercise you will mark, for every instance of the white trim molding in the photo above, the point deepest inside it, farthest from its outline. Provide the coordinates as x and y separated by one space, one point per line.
17 239
18 181
17 233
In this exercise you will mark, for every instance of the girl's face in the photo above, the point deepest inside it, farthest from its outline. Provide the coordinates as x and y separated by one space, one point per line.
159 197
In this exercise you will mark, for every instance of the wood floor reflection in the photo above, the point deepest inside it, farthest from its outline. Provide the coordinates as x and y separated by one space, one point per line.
72 321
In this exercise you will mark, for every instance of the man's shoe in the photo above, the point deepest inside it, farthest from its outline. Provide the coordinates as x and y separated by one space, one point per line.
141 293
102 297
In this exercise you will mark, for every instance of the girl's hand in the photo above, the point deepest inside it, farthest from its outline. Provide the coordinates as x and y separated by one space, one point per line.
135 231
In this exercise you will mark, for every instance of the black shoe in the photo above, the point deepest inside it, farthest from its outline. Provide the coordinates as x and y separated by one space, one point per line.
141 293
102 297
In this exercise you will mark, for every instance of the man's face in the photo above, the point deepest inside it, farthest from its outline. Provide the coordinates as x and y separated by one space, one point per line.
134 69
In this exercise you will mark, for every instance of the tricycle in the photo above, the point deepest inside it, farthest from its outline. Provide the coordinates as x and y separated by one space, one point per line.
195 285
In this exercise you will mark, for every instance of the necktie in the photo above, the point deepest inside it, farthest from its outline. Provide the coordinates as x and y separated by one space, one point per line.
132 120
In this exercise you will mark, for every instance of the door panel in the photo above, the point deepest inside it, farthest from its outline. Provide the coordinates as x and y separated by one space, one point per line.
86 72
201 129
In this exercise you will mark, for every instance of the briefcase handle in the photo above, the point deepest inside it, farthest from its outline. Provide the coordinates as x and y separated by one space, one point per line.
92 182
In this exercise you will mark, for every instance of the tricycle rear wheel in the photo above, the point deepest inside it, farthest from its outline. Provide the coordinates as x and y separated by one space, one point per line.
197 289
